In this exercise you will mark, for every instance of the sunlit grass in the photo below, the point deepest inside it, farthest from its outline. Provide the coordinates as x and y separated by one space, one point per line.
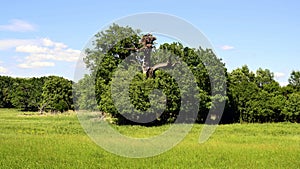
58 141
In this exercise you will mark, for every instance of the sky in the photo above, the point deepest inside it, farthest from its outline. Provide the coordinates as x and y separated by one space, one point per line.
40 38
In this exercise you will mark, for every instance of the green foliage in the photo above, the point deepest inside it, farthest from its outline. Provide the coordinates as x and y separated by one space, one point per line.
256 97
162 107
57 95
249 97
292 109
115 64
84 94
264 77
294 80
242 89
112 42
264 108
6 86
36 94
21 98
27 93
111 49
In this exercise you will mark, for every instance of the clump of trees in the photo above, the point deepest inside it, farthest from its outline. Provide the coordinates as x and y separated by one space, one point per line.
257 97
250 97
50 94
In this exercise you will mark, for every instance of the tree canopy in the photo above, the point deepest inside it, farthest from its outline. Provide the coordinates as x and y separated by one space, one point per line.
50 93
249 96
141 82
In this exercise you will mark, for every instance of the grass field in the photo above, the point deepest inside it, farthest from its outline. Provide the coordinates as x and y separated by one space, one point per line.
58 141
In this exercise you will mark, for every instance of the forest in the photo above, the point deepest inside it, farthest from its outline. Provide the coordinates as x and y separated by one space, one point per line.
249 97
44 94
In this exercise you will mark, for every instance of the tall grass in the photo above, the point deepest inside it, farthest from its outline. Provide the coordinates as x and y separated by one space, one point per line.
31 140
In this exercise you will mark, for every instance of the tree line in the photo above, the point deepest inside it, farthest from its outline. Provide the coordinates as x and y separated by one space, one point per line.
257 97
44 94
250 96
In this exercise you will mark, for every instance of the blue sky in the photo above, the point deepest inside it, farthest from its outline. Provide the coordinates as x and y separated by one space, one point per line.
45 37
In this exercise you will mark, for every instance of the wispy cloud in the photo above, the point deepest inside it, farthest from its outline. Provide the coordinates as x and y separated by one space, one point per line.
278 75
17 25
36 64
3 70
6 44
227 47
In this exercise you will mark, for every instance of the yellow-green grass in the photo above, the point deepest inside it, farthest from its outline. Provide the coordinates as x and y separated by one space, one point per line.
29 140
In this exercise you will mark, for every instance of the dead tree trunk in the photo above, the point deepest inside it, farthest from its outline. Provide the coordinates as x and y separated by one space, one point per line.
147 41
146 61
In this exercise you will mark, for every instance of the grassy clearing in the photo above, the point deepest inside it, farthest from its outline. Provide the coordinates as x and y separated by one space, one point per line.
58 141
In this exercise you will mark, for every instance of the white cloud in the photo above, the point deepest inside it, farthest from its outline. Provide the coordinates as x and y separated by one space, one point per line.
227 47
36 64
278 75
6 44
31 49
3 69
40 52
17 25
49 50
49 43
283 83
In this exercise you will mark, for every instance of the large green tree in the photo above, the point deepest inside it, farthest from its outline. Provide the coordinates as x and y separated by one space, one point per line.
23 93
256 97
117 50
294 80
57 95
242 88
23 96
291 110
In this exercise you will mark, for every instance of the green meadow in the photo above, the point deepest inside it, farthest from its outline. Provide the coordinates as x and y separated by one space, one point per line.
30 140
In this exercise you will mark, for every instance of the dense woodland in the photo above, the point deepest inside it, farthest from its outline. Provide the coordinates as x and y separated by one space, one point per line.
250 96
44 94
